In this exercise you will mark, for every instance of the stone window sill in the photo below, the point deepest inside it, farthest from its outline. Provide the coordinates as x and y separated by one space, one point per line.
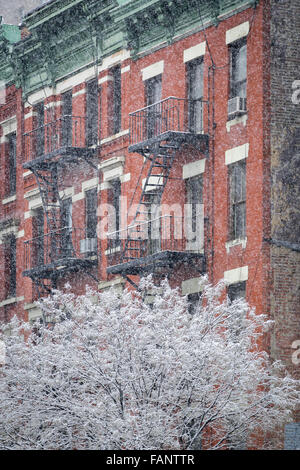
238 241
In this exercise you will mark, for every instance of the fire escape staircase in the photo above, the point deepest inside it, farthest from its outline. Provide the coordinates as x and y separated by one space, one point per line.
46 166
161 160
169 131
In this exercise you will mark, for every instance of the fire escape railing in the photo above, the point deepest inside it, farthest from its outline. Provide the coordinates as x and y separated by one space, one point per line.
66 131
57 246
164 233
171 114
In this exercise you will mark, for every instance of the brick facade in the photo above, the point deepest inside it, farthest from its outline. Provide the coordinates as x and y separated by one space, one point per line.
266 137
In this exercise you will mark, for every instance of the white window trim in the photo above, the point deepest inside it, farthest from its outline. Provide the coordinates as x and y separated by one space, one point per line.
115 136
112 168
193 169
194 52
233 276
236 153
9 199
153 70
8 126
238 241
11 300
191 286
237 32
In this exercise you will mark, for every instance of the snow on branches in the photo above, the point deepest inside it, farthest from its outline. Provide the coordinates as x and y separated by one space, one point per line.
107 371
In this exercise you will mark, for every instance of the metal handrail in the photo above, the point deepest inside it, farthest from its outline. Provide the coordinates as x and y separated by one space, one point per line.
59 244
52 122
171 114
166 99
146 222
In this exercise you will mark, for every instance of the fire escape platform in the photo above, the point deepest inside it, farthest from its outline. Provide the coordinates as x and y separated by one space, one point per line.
59 268
63 155
160 259
198 141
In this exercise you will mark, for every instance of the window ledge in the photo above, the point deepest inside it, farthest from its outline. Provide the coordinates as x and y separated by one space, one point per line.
113 250
238 241
114 137
9 199
11 300
242 119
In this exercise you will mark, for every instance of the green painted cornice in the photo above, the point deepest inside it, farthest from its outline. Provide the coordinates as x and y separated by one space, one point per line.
9 34
69 35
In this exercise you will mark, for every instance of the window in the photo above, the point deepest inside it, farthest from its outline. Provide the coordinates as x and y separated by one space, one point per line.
38 228
114 199
12 162
237 190
193 302
92 112
66 125
10 263
116 100
66 227
195 94
238 69
153 95
236 291
40 130
194 197
91 213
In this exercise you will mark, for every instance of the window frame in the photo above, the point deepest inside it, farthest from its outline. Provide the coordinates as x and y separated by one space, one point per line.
234 289
117 99
92 112
234 49
235 169
91 213
12 162
194 107
10 244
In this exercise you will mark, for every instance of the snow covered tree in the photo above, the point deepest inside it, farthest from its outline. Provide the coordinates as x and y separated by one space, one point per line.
108 371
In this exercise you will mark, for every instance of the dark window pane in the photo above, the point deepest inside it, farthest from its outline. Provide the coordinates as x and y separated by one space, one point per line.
92 112
11 259
195 92
91 213
40 132
66 227
193 302
39 236
116 193
153 95
12 163
194 193
238 76
117 99
66 127
237 181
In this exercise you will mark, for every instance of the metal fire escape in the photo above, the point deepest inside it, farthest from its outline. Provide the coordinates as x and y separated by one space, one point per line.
157 132
49 149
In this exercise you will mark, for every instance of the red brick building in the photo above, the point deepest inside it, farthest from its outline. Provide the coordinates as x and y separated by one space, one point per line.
127 104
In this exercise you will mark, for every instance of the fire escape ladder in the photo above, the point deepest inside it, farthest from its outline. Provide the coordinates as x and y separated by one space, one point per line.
161 160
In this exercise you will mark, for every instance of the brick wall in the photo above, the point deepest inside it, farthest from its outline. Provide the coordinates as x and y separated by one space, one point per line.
285 195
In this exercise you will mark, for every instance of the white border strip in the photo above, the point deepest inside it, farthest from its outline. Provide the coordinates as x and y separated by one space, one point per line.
236 275
153 70
237 32
194 52
236 153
